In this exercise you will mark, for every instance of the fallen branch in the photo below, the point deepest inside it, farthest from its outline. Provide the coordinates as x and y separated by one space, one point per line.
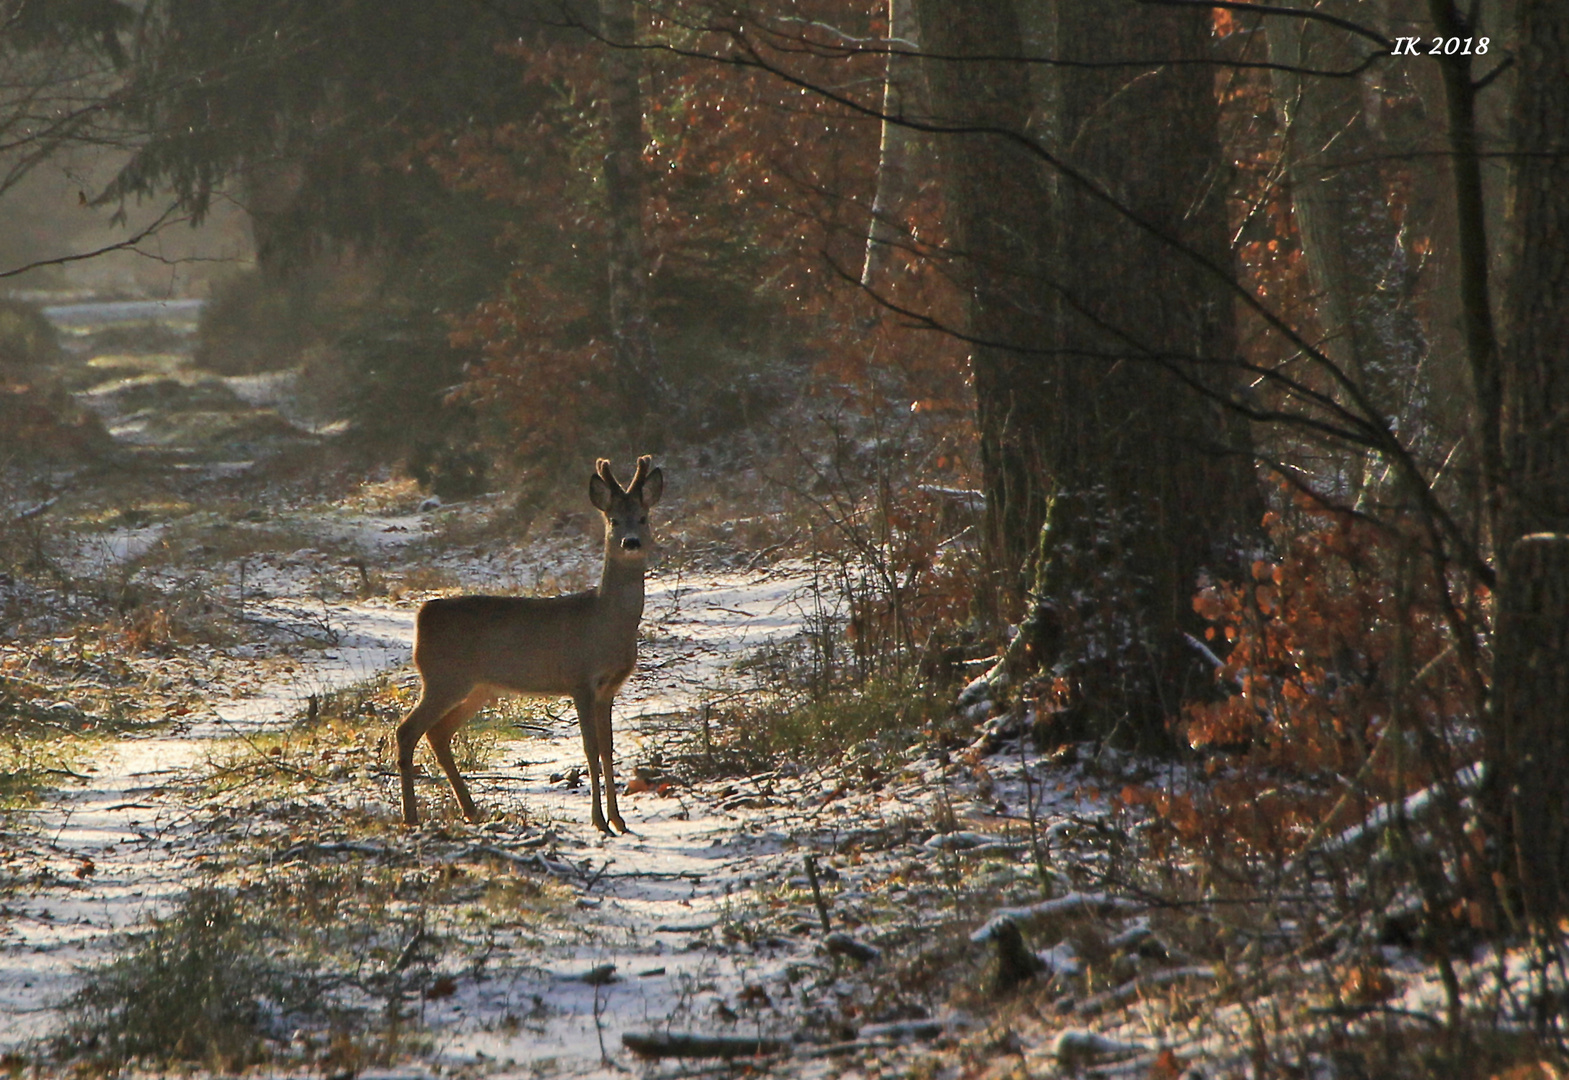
655 1045
1128 991
533 861
882 1036
753 562
897 1031
1465 782
336 847
1075 1049
35 510
694 876
1074 903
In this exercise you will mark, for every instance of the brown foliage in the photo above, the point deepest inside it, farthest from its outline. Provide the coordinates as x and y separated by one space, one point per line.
1338 678
758 196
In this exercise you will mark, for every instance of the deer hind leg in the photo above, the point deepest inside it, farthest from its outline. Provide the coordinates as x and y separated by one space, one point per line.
585 722
606 757
435 702
440 739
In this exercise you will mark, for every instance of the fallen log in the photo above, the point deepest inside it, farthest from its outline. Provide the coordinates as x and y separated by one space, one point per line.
669 1045
533 861
1133 989
842 944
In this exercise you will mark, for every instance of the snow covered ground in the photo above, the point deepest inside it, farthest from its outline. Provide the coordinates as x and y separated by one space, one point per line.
121 845
704 919
124 845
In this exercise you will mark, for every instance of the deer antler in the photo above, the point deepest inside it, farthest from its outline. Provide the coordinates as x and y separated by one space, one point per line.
602 467
642 472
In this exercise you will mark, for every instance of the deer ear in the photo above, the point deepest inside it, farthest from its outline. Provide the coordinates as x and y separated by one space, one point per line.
599 493
652 488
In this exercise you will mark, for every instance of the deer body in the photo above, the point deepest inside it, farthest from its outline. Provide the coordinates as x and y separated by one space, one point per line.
468 649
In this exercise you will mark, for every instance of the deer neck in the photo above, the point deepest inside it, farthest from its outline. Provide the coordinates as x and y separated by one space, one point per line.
621 584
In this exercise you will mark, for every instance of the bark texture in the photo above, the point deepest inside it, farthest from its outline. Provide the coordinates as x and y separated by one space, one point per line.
1002 219
1342 156
1112 481
1153 481
625 193
900 90
1476 313
1529 739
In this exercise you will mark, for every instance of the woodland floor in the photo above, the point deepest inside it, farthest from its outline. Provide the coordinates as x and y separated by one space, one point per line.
189 758
228 734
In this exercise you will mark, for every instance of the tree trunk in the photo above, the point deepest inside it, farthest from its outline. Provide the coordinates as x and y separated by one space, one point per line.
1001 217
1476 314
1528 741
269 190
1111 482
636 363
1341 150
1153 481
893 181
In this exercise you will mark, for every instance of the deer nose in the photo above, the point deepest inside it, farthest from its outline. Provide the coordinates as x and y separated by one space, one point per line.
630 543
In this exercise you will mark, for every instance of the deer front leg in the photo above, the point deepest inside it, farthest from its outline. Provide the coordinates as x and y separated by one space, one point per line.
607 756
586 724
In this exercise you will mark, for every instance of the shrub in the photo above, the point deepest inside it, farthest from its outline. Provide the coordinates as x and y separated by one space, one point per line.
43 423
199 986
1339 688
250 325
27 339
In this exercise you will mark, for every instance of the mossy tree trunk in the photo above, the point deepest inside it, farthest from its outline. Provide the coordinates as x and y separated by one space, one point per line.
1113 480
1155 480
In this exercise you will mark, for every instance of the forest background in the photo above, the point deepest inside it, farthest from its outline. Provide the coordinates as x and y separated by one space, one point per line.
1245 321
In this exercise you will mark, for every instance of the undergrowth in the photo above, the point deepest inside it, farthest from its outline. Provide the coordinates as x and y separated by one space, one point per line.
745 734
204 985
30 764
888 619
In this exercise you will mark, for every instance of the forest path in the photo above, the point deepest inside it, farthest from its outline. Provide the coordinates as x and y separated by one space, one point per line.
702 909
125 843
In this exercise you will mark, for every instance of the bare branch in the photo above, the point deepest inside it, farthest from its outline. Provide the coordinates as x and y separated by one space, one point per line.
130 242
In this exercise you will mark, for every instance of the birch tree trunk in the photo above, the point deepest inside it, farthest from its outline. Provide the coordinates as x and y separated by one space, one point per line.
893 180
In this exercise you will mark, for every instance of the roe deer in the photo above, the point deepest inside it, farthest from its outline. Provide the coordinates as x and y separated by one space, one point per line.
468 649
